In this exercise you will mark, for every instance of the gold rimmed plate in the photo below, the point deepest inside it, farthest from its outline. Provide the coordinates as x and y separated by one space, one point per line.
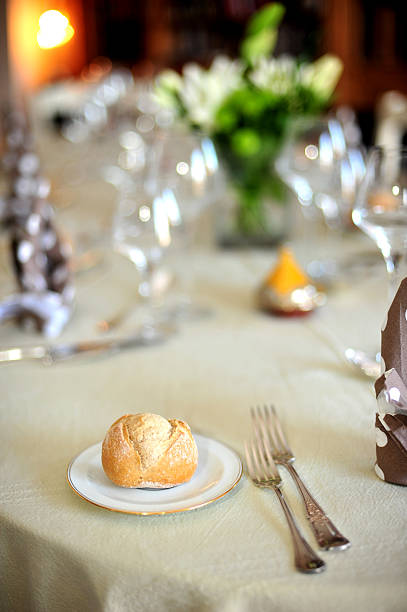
218 472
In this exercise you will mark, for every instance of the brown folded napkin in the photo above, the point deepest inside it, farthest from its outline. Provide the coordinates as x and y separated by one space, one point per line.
391 393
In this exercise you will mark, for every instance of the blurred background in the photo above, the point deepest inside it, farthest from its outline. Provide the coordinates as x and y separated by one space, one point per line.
123 175
368 35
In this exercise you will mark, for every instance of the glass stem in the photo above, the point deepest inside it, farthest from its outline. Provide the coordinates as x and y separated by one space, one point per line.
145 288
146 293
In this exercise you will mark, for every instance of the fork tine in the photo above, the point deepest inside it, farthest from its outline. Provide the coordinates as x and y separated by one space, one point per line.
249 462
264 435
279 429
252 461
258 461
264 452
255 469
271 431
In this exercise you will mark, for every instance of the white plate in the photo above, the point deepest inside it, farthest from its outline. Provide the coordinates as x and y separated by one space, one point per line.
219 470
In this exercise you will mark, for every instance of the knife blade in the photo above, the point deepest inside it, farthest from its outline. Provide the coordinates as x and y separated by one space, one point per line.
52 353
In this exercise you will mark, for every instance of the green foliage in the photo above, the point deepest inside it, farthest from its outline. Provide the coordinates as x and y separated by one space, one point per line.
268 17
248 107
251 127
245 142
260 45
251 118
262 32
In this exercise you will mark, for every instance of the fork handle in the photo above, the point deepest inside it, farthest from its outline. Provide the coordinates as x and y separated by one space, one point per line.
327 535
305 559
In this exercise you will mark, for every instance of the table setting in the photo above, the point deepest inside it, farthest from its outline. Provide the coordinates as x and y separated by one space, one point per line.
195 420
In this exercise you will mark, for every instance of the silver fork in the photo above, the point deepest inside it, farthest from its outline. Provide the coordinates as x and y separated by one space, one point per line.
327 535
263 472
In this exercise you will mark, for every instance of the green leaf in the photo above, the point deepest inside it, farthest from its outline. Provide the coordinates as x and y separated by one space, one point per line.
246 142
259 45
268 17
254 105
262 32
226 119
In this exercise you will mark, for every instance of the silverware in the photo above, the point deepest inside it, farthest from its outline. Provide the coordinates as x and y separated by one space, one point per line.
263 472
177 313
370 366
361 362
327 535
49 354
105 325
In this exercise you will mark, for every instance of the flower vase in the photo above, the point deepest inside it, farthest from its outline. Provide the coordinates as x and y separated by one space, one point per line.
254 211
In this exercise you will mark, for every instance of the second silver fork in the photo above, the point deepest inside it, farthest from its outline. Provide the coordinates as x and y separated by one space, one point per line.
263 472
326 534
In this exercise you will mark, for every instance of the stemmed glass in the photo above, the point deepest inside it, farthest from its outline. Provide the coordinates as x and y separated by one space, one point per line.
146 226
380 210
154 225
323 169
186 164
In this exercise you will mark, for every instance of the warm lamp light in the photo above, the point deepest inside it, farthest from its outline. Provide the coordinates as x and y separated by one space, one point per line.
55 30
38 50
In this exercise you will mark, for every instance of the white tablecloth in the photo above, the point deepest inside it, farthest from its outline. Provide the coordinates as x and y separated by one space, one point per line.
59 552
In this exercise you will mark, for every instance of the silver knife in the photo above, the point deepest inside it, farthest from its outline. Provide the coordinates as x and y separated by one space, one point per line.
51 353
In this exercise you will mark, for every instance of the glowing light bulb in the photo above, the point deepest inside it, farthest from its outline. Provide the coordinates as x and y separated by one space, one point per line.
55 30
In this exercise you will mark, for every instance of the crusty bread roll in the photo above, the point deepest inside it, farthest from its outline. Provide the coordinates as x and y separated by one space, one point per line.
146 450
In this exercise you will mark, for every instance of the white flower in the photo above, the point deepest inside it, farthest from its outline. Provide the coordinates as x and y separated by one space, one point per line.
203 91
322 75
167 87
278 75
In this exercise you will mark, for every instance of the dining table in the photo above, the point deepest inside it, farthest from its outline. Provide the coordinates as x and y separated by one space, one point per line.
230 551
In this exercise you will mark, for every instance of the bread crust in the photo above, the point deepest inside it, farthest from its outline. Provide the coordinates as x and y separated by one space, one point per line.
146 450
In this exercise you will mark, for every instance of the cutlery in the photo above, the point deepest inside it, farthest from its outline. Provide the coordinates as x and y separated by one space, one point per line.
327 535
364 363
263 472
105 325
370 366
176 313
52 353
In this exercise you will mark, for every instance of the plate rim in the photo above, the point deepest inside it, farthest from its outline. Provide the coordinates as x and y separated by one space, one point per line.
160 512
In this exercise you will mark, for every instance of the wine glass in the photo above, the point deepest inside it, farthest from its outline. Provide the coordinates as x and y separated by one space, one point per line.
323 169
380 209
187 164
146 227
159 205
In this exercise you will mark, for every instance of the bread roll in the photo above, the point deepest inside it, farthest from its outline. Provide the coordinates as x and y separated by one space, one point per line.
146 450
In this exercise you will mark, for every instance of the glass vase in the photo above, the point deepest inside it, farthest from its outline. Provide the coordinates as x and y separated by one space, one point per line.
254 210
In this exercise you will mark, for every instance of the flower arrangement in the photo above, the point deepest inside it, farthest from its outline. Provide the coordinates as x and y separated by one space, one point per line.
246 106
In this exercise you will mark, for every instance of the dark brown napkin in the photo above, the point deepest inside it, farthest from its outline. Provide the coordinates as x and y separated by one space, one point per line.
391 393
